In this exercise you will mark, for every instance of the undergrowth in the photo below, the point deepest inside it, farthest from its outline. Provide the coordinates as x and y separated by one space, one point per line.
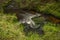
10 29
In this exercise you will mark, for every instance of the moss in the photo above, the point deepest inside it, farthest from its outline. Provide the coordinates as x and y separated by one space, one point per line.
10 28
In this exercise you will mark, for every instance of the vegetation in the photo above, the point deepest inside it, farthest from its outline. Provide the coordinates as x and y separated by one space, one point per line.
10 28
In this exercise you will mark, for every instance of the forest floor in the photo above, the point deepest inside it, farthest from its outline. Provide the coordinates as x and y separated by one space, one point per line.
10 29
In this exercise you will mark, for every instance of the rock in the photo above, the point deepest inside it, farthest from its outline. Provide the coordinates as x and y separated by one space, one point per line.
11 7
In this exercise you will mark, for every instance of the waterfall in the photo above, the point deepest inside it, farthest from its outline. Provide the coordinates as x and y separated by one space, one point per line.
28 19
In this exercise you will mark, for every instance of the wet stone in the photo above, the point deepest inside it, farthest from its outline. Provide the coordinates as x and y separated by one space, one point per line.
11 6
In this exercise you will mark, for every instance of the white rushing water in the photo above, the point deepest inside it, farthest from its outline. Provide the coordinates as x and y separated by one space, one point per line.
28 19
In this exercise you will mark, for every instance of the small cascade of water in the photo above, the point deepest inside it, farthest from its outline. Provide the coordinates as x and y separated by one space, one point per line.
28 19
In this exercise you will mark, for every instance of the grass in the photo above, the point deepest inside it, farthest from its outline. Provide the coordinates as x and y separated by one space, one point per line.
10 29
52 8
